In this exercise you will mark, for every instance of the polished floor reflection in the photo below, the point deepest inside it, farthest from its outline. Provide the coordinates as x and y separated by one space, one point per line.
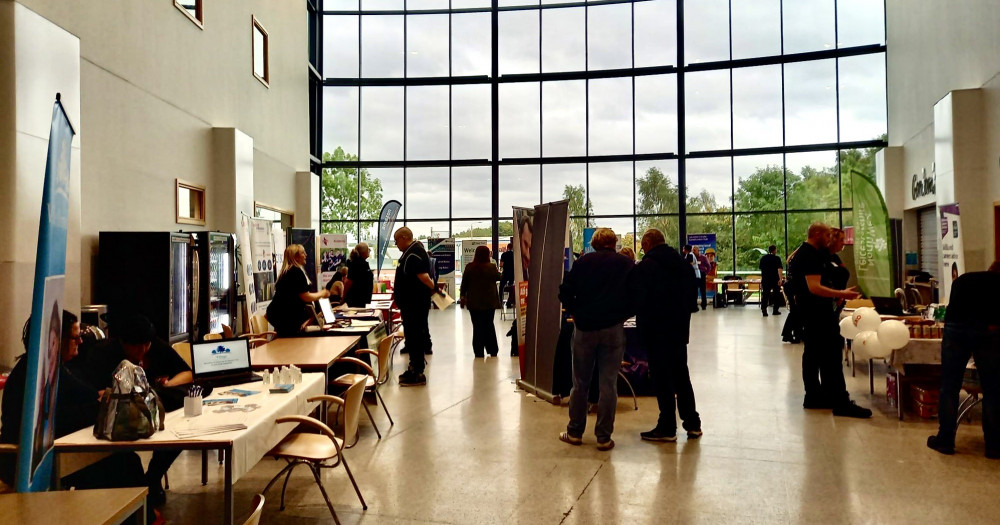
469 448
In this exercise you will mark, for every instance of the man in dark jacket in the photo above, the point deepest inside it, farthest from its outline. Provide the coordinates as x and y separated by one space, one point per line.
595 292
661 284
507 273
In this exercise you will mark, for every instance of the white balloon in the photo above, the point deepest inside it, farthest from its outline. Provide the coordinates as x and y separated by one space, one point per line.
867 343
858 312
893 334
868 320
847 328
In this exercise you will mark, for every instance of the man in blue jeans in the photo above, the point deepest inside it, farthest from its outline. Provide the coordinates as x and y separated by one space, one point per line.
595 293
971 329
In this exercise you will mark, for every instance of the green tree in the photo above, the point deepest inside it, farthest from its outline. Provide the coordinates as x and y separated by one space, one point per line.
580 209
657 204
339 195
505 230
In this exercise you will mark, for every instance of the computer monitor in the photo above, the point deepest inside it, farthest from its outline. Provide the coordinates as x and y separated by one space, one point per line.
324 305
221 357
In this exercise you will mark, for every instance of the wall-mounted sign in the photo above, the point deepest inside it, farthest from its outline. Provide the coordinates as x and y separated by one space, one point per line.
922 184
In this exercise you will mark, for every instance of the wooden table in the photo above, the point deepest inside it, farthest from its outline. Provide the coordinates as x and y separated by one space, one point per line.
243 448
102 506
311 354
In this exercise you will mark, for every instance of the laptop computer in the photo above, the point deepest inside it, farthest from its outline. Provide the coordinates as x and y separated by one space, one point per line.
222 362
887 305
327 309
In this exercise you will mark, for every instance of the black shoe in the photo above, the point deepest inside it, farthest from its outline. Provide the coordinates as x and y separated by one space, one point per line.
479 355
703 307
775 313
428 351
157 498
991 453
660 436
851 409
765 314
413 379
695 434
815 402
942 445
493 354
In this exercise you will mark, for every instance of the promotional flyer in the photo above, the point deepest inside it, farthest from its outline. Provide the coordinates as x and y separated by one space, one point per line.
442 250
332 255
952 252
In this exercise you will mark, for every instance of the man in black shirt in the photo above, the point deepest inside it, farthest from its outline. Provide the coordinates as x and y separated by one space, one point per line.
507 273
771 275
971 329
821 330
413 288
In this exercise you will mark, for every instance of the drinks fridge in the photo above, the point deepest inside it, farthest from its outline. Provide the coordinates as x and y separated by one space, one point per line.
215 278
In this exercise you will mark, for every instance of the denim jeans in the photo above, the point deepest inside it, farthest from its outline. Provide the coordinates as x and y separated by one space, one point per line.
604 349
961 341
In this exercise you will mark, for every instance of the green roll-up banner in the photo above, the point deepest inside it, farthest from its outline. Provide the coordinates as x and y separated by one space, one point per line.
872 238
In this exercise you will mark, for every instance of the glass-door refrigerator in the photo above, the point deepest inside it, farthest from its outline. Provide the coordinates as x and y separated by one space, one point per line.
216 282
149 273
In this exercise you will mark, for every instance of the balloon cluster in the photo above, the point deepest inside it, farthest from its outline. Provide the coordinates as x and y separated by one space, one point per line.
873 336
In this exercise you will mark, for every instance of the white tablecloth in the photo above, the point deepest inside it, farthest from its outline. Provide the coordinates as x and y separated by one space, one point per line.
917 352
249 445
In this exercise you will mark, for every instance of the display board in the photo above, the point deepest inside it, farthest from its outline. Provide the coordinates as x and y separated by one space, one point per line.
872 238
469 250
523 219
705 242
261 263
307 238
952 252
442 251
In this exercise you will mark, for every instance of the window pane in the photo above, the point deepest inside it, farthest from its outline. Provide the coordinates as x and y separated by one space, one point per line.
707 120
519 186
812 180
754 233
463 4
862 97
760 183
427 191
339 194
860 22
427 45
722 227
709 185
656 114
568 181
519 120
470 192
259 53
610 109
624 228
381 46
810 102
564 118
470 44
798 225
388 182
757 107
656 187
851 160
340 119
382 123
669 226
424 230
756 28
350 228
472 121
609 37
563 40
518 43
382 5
340 46
808 25
426 122
417 5
655 33
706 31
341 5
610 183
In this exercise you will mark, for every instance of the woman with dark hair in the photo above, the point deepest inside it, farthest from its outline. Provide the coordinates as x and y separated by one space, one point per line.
359 273
479 295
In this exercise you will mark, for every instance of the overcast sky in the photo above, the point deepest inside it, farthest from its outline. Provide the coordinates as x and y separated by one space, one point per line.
810 94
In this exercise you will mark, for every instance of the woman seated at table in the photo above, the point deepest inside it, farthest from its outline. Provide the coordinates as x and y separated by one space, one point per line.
288 309
338 286
360 274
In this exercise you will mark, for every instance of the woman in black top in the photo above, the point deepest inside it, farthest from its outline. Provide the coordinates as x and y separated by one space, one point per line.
479 295
287 311
359 294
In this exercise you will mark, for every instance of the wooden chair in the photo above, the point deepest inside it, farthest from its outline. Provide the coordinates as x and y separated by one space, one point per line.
258 509
259 333
315 450
183 349
227 332
373 381
751 288
212 337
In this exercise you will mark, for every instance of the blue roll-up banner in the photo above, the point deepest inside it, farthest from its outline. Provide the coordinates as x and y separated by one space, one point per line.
386 222
34 456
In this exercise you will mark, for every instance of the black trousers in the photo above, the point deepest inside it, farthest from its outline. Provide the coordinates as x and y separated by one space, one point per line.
701 289
484 334
671 381
961 341
822 372
770 293
418 334
504 283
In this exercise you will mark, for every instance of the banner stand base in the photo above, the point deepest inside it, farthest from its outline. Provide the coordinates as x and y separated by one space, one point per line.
541 394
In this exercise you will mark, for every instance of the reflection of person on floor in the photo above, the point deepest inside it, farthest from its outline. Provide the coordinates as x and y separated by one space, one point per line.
76 408
595 292
971 329
659 284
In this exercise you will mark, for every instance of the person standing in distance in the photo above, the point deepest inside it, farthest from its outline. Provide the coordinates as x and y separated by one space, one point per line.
659 285
771 276
595 292
507 273
691 260
413 288
820 327
479 296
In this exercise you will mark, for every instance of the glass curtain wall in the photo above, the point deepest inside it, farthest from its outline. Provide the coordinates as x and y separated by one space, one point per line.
742 118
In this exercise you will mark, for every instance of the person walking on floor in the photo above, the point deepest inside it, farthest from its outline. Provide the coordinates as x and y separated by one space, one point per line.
595 292
703 268
771 276
507 274
971 329
413 288
479 295
820 328
659 284
690 258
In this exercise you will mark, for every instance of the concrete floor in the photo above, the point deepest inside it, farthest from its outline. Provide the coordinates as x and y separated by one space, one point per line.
470 448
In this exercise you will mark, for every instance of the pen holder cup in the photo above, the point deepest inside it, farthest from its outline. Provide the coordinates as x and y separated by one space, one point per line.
192 406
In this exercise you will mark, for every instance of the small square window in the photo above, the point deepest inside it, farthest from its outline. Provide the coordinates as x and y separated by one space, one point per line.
190 203
261 68
193 9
